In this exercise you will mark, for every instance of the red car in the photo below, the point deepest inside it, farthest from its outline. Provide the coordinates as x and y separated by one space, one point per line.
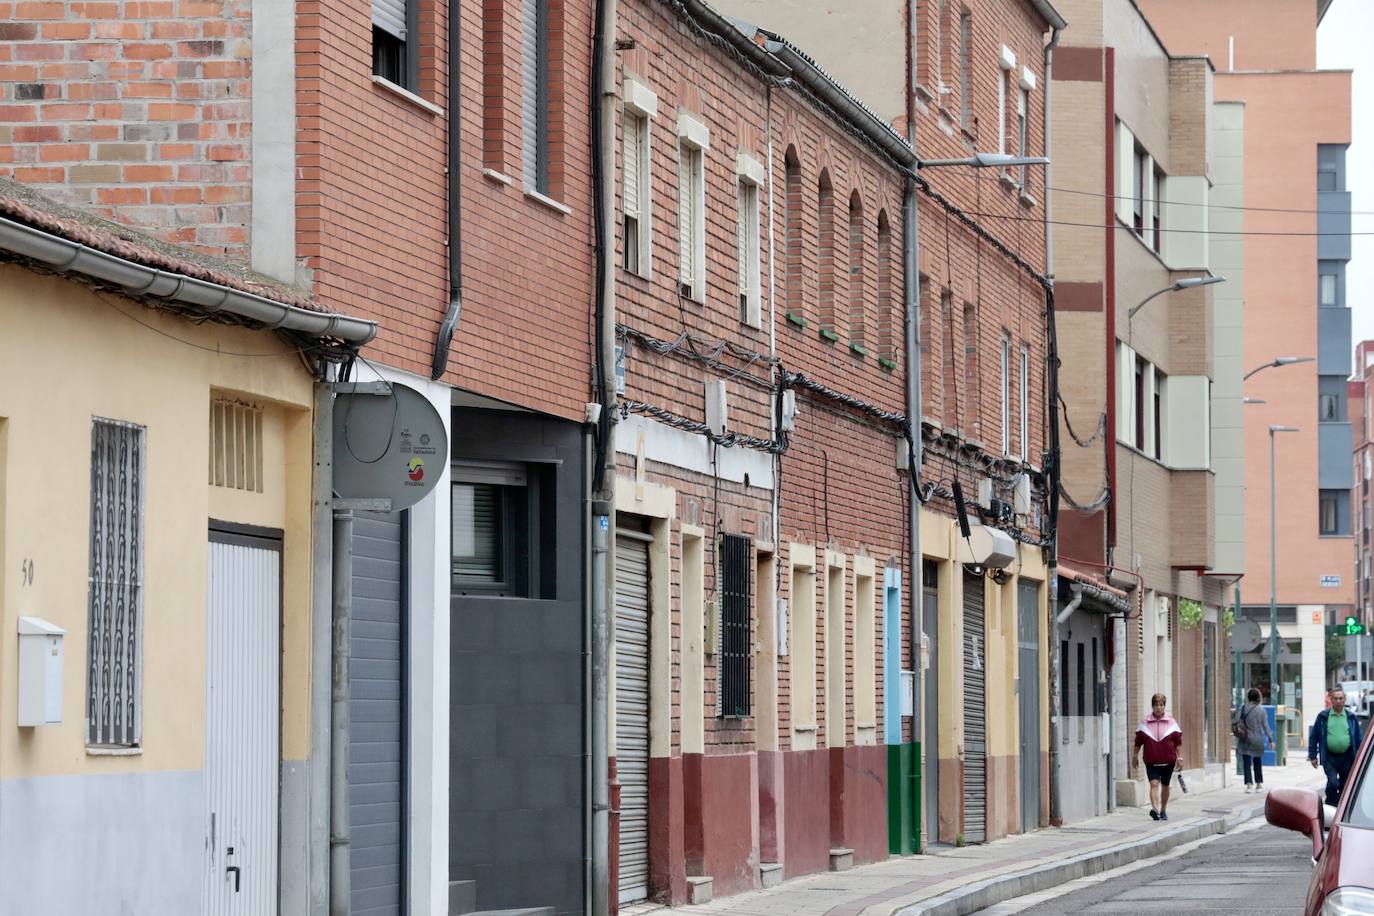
1342 844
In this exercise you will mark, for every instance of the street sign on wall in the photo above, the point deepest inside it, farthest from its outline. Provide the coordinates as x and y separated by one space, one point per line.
1331 581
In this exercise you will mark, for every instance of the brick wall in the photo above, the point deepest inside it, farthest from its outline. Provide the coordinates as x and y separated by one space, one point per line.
138 111
838 479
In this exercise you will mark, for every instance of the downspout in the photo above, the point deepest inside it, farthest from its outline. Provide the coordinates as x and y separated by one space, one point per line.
603 478
1052 465
321 647
911 279
444 340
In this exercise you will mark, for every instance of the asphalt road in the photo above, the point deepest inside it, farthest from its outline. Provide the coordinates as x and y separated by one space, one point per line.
1258 870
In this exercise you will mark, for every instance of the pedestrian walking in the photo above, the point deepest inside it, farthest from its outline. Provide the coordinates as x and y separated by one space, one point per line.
1160 737
1251 728
1334 739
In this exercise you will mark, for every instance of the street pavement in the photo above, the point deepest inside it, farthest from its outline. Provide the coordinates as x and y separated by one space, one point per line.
1257 870
960 881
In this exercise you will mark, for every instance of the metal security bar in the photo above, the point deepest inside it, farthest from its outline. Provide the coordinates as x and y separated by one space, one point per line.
115 610
735 555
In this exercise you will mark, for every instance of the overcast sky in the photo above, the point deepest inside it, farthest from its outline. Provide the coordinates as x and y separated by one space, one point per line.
1343 43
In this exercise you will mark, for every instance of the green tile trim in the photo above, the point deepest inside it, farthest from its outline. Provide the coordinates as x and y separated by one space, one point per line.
827 334
858 349
794 318
903 799
887 363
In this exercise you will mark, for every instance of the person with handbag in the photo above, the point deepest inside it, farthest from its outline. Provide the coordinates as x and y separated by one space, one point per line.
1251 728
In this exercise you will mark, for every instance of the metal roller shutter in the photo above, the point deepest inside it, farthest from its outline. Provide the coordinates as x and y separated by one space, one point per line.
376 749
975 713
632 712
390 17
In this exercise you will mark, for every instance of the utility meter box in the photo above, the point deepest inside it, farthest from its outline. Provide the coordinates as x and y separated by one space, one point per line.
40 672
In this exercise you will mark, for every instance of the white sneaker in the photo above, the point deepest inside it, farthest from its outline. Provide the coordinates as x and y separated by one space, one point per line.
1259 789
1248 788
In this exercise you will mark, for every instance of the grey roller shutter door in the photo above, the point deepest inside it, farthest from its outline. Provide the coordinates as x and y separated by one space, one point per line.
975 712
376 750
632 713
390 17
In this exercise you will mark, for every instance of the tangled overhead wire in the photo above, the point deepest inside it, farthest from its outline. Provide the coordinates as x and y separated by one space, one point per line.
677 421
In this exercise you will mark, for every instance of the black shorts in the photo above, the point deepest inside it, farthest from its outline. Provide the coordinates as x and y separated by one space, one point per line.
1159 772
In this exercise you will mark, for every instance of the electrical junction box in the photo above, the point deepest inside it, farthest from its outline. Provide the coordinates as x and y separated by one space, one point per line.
985 493
40 672
1021 494
788 419
908 693
717 410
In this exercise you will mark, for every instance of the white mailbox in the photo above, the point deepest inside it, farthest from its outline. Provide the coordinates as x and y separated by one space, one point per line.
40 672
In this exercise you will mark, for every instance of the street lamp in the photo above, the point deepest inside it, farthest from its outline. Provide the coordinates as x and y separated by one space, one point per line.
1253 401
1280 361
985 161
1273 567
1176 286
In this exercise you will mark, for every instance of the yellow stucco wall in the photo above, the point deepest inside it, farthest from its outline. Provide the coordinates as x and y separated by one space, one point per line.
67 354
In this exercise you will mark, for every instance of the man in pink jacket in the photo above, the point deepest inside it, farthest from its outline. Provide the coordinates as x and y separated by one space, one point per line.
1160 737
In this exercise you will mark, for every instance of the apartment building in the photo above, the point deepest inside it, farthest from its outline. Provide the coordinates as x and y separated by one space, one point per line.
762 505
960 79
1297 128
1359 393
315 145
1151 458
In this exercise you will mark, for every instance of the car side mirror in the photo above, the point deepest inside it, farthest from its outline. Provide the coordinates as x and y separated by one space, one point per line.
1299 810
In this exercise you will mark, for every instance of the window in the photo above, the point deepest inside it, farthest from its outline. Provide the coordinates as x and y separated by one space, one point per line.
887 324
1023 128
1065 674
535 93
1024 451
792 235
393 52
857 293
634 193
1138 171
1006 394
501 523
1328 289
1002 79
835 650
825 254
1139 405
1327 178
1155 222
1082 683
965 68
751 177
691 219
802 646
114 647
865 648
1329 520
1327 407
1157 396
736 631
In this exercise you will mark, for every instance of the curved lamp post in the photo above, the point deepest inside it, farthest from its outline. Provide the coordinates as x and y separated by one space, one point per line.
1176 286
1280 361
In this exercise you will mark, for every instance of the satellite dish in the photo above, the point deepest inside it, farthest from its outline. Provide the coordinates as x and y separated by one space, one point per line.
389 445
1245 635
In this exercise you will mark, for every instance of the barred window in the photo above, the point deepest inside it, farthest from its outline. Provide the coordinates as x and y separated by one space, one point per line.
736 636
114 649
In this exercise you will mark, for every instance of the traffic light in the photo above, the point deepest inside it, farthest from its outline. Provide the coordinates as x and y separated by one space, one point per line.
1353 627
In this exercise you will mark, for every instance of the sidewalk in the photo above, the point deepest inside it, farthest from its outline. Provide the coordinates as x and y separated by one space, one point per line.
950 881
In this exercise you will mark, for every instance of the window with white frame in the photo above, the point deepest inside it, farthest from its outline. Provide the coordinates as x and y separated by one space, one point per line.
1024 451
693 141
1156 223
1006 62
965 68
535 93
1006 394
634 193
114 645
1022 128
1139 168
1328 289
750 174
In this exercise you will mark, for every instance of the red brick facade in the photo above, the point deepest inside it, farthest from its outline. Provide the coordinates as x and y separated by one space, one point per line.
137 111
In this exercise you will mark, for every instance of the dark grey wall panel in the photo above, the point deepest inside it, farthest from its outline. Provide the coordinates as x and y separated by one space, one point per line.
517 694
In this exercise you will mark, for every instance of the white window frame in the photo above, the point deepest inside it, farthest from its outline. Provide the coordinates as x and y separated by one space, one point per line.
1024 452
693 142
102 606
751 174
1006 393
1006 62
1322 289
641 107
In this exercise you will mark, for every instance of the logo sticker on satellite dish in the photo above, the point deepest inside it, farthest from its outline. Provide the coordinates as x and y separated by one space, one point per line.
387 445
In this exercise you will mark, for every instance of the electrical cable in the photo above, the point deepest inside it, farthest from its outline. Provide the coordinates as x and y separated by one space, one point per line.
1181 203
1123 226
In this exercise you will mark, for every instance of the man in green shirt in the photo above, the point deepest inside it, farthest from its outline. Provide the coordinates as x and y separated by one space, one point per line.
1334 740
